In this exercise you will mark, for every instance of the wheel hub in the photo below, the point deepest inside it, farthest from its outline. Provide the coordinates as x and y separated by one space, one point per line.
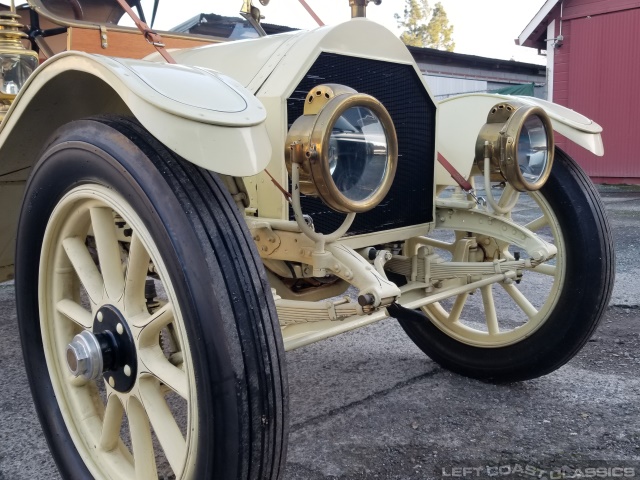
109 351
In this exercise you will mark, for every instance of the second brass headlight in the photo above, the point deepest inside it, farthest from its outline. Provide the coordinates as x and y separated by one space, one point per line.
520 145
346 146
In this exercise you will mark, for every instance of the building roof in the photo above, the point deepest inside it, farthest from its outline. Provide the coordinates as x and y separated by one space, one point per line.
534 34
440 57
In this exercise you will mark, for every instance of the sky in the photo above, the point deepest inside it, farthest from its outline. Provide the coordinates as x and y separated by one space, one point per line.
481 27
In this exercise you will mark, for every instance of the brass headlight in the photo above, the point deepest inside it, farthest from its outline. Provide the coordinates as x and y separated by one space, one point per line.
521 145
346 146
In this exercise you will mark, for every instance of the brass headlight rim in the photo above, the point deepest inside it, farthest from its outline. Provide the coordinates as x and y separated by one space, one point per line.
509 160
318 143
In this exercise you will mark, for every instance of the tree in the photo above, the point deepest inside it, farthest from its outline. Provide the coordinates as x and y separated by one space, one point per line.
426 27
439 31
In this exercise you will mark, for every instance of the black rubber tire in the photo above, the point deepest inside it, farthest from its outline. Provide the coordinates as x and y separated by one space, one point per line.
590 269
230 317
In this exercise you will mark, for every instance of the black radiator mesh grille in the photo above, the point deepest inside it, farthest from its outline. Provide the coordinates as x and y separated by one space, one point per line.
410 200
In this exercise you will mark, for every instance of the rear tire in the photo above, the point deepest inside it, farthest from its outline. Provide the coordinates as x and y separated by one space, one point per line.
567 317
107 210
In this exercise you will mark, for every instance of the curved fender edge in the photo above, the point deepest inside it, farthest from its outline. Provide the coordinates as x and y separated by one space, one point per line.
461 117
205 117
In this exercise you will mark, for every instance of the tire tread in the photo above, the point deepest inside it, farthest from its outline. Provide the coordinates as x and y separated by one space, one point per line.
201 189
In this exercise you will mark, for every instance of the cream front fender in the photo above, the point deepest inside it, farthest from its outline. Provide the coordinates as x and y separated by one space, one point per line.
460 119
205 117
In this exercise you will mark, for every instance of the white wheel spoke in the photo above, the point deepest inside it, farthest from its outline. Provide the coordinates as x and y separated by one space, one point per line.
490 310
509 196
520 300
159 366
85 267
537 224
111 424
75 312
104 230
546 269
456 310
151 325
435 309
143 455
137 270
164 425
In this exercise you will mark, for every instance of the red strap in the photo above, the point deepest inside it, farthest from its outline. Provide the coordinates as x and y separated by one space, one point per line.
286 194
455 174
311 12
152 37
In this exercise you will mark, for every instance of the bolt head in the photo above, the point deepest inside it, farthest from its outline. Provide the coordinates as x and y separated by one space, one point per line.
83 356
77 359
366 300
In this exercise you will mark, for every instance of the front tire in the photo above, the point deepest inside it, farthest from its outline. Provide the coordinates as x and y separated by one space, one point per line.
114 224
556 318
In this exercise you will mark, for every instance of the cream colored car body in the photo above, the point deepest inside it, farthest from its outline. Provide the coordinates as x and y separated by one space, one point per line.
234 123
281 63
193 111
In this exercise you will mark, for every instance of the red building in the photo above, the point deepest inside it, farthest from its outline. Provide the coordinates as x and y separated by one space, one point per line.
593 62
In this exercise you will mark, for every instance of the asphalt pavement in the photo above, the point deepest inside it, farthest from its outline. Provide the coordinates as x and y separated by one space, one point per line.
369 404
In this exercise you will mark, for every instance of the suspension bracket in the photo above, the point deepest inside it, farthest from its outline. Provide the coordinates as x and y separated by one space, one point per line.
501 228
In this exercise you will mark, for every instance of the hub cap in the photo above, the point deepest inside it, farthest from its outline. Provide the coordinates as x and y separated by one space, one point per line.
110 350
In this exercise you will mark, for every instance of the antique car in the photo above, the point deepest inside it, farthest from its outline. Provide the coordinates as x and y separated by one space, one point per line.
177 220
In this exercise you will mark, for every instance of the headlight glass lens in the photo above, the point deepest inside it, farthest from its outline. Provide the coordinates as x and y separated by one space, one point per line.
357 154
15 69
533 153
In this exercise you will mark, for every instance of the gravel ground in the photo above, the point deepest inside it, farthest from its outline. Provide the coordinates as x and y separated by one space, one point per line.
368 404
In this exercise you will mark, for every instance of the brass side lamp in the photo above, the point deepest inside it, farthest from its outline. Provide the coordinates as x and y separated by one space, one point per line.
16 62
